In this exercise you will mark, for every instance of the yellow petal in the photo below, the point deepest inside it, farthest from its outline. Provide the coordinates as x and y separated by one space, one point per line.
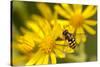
26 39
90 22
68 50
25 45
84 38
46 59
34 58
67 8
36 38
24 48
56 31
53 58
37 18
61 11
63 23
62 42
30 37
47 27
80 38
43 24
45 10
60 47
80 30
89 29
40 61
77 8
59 53
89 11
70 29
35 28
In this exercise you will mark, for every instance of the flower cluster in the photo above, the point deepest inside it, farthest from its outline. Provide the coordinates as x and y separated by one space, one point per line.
43 43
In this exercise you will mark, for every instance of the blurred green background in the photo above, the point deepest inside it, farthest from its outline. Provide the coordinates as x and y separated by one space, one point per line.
23 10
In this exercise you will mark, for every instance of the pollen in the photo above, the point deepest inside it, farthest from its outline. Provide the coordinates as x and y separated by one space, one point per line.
77 20
47 45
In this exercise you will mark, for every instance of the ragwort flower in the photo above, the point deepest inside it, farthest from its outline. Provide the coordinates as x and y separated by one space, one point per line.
77 19
45 38
50 16
42 42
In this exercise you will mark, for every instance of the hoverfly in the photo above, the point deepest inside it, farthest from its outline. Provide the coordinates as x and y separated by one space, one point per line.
70 37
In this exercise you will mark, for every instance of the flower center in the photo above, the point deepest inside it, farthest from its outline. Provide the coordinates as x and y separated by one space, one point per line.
76 20
47 44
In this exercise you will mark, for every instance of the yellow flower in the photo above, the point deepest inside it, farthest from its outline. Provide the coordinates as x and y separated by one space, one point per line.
50 16
77 20
42 42
45 36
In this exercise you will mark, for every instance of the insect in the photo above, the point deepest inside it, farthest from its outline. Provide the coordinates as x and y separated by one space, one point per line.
70 37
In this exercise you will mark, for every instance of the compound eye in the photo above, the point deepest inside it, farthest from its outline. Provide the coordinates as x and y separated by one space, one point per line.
65 32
